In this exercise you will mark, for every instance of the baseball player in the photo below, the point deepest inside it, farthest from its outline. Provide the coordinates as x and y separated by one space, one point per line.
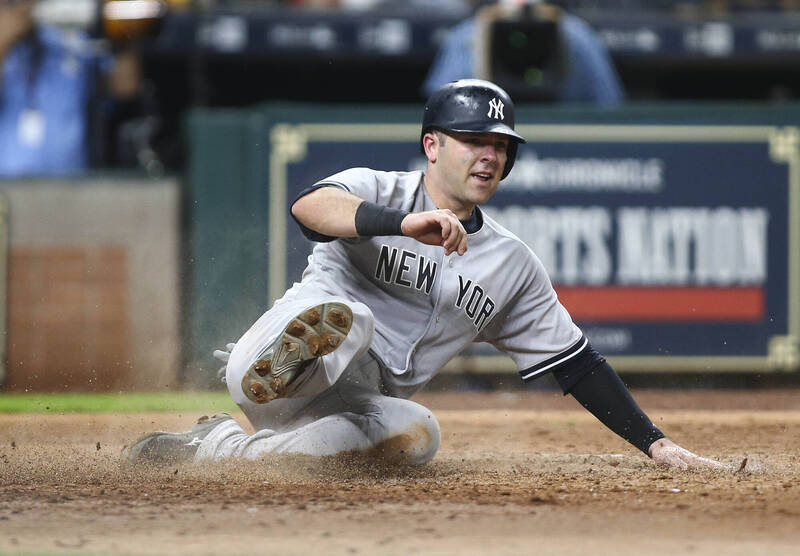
406 273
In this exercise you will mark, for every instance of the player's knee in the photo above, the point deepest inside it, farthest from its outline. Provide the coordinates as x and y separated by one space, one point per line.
415 443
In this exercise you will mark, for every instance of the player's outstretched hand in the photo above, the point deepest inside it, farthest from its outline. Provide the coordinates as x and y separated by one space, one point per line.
223 355
437 227
666 452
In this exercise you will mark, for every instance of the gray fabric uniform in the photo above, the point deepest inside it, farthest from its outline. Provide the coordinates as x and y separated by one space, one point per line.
414 310
428 307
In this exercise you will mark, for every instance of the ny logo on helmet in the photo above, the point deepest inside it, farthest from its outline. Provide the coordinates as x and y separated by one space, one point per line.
496 107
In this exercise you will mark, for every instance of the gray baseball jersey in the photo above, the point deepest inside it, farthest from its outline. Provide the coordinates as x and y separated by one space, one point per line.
428 306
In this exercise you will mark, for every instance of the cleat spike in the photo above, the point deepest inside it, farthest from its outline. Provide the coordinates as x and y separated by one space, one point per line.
315 346
296 329
310 317
259 392
337 318
332 340
304 338
263 367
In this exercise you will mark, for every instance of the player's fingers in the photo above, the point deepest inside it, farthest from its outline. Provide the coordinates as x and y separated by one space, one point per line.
691 459
230 346
462 245
669 456
684 459
457 233
675 462
447 228
222 355
680 464
672 459
706 462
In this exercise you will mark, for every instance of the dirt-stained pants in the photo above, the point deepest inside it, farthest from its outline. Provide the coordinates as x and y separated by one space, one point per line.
339 408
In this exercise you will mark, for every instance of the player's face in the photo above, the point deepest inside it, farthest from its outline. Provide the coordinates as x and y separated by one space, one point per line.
471 165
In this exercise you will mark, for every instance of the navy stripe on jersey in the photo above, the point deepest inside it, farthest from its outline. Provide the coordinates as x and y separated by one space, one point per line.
556 361
328 183
319 185
310 234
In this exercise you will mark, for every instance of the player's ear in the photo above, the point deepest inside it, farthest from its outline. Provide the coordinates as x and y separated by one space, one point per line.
430 143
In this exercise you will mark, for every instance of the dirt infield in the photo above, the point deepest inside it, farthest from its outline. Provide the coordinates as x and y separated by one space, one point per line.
516 473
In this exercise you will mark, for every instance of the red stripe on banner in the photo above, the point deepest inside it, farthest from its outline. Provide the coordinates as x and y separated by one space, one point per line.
663 304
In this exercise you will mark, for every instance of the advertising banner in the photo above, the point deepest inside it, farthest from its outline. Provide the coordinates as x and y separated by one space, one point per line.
674 247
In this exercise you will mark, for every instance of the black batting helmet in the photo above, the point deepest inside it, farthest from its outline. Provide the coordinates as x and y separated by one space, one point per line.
473 106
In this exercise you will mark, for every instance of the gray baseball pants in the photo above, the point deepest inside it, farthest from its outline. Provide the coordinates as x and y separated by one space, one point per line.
338 409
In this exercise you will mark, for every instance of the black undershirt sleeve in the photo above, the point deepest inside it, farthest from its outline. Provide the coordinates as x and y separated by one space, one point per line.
602 392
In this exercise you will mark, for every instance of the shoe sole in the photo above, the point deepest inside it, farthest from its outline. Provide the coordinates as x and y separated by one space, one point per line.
311 334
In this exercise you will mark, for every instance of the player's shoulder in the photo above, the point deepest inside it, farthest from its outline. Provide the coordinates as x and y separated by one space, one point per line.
494 228
505 239
411 176
380 178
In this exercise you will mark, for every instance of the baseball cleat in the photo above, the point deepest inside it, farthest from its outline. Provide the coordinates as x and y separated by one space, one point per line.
171 447
311 334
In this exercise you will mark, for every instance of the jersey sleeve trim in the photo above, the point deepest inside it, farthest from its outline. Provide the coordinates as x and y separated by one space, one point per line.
310 234
550 364
325 183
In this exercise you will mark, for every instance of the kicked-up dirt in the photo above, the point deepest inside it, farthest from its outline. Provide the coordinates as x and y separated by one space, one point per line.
516 473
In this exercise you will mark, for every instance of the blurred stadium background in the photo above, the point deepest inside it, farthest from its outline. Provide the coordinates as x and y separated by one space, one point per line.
670 221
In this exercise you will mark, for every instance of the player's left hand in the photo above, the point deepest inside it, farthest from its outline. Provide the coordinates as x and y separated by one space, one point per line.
223 355
666 452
